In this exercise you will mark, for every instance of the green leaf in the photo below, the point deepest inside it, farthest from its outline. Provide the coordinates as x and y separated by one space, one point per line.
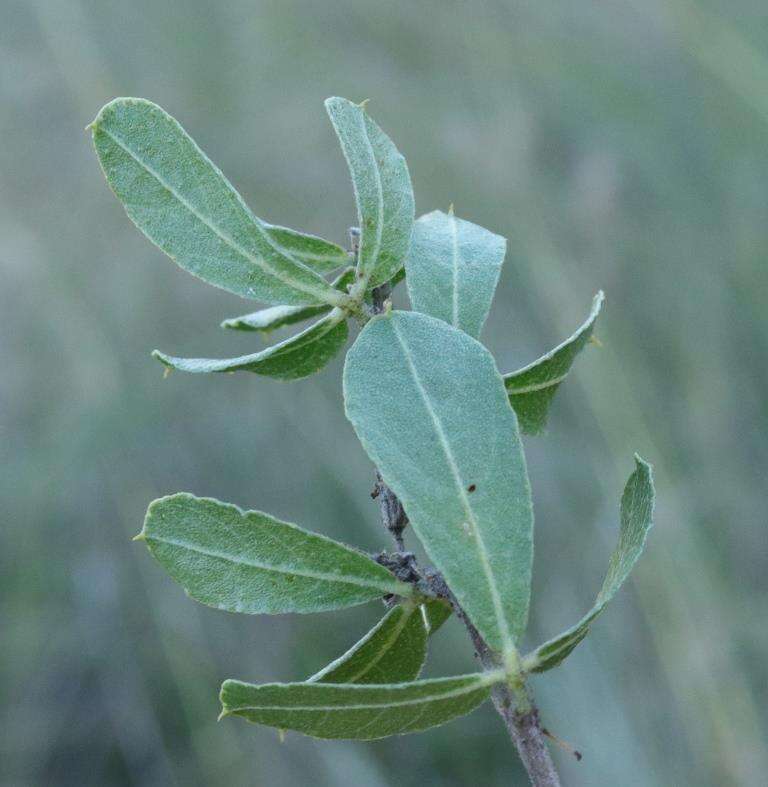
393 651
532 388
636 520
268 320
314 252
382 187
332 710
453 268
183 203
430 409
437 613
247 561
296 357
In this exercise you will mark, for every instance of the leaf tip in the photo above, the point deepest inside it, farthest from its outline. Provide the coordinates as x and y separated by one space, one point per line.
364 104
450 209
142 536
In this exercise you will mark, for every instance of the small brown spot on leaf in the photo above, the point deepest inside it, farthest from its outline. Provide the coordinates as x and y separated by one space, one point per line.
471 487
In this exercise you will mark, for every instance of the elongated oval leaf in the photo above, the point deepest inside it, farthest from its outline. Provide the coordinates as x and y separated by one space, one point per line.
247 561
636 520
314 252
383 190
532 388
296 357
328 710
430 409
453 267
268 320
393 651
182 202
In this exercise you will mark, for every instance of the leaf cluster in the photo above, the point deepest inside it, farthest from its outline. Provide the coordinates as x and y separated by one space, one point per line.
440 422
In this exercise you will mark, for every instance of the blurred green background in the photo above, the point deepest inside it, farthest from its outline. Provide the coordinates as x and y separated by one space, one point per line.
618 145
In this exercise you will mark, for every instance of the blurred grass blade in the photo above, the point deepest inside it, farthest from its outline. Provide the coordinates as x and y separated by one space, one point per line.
328 710
183 203
383 190
268 320
247 561
393 651
439 428
296 357
636 520
314 252
532 388
453 268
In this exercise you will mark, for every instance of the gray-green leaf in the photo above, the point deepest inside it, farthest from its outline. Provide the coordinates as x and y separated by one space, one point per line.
332 710
532 388
636 520
296 357
247 561
453 267
429 406
314 252
383 190
393 651
268 320
183 203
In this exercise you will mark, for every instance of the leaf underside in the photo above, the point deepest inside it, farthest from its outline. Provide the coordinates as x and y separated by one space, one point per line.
247 561
361 712
314 252
183 203
383 190
440 430
292 359
636 520
453 269
532 388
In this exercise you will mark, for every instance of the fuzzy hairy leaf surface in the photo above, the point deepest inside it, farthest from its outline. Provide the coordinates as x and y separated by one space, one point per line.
296 357
383 190
532 388
393 651
352 711
268 320
440 430
183 203
636 520
247 561
453 268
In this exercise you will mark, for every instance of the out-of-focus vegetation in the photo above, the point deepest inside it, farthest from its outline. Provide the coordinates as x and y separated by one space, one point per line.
621 145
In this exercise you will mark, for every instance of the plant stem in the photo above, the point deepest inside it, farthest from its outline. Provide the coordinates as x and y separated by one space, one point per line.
513 700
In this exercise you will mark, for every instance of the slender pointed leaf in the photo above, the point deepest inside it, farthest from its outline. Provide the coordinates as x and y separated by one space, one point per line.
296 357
316 253
183 203
453 268
636 520
439 428
532 388
268 320
247 561
393 651
383 190
328 710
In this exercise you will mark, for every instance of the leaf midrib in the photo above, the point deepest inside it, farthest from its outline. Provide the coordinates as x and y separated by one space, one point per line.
260 263
481 682
395 587
482 551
